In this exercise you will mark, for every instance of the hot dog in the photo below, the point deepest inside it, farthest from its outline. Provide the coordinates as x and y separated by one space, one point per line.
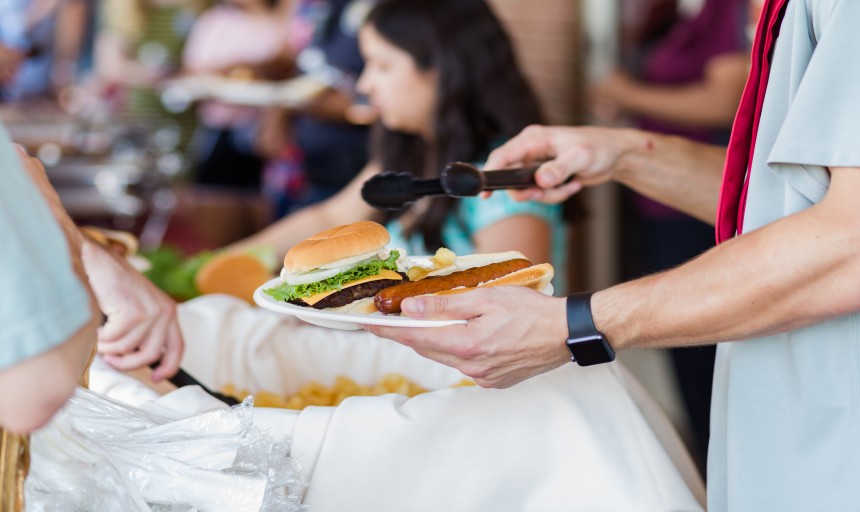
514 272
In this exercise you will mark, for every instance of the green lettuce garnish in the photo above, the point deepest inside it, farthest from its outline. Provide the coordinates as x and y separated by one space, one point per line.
286 292
173 273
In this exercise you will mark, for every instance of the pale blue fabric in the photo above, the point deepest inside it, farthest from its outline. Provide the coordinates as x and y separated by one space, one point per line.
42 302
785 429
474 214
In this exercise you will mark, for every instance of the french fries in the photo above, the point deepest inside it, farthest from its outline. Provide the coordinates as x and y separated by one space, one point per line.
314 393
442 258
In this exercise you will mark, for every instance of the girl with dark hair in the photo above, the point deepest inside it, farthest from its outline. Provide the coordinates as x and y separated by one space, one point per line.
442 77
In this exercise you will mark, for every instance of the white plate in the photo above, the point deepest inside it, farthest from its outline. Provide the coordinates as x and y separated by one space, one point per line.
294 92
344 321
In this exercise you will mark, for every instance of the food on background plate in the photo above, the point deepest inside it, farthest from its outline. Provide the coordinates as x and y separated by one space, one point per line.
121 243
174 273
236 274
314 393
341 269
467 273
177 275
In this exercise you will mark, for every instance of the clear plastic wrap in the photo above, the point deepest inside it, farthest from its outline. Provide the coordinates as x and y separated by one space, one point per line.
99 455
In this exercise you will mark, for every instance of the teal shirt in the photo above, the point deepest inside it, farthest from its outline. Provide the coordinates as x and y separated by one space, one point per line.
42 302
474 214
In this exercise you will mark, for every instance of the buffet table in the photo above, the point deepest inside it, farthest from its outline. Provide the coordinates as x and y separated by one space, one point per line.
572 439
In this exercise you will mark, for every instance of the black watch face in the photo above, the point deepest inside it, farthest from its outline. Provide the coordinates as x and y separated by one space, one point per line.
591 350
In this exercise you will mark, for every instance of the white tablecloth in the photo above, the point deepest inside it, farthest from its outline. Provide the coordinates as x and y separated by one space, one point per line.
575 439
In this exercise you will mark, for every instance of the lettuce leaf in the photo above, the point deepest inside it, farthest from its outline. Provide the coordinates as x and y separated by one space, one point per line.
173 273
287 292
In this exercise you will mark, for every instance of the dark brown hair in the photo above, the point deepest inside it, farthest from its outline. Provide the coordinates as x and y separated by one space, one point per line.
482 96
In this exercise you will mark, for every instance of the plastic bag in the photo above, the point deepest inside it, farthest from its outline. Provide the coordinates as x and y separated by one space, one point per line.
99 455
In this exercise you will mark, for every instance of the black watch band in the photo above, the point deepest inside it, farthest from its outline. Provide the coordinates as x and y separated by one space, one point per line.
586 344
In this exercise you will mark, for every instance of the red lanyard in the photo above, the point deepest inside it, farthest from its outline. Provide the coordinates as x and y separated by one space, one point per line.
733 193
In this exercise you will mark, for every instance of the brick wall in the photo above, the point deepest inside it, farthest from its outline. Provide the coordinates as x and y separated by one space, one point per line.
546 34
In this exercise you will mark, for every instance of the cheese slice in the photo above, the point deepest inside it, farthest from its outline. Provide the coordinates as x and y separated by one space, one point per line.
384 274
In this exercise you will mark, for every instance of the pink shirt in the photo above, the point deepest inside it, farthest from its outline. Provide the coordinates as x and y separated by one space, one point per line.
226 37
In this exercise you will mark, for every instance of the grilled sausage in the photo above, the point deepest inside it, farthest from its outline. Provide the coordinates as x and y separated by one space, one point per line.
388 300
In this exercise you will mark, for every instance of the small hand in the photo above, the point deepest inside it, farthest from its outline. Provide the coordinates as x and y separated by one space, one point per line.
512 334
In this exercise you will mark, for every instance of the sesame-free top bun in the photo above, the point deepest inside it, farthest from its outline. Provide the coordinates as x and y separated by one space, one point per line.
236 274
335 244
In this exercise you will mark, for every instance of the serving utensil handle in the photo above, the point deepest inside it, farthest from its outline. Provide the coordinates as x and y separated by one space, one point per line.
508 179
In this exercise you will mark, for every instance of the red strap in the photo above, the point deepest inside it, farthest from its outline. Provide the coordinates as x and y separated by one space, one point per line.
730 211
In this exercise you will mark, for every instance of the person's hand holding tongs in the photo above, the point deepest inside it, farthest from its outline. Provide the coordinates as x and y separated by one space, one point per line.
396 190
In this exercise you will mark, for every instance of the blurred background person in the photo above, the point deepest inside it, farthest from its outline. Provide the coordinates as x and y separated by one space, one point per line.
139 44
43 46
316 150
240 40
431 75
685 80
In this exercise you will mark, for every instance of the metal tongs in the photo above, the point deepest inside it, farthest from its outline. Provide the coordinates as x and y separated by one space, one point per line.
396 190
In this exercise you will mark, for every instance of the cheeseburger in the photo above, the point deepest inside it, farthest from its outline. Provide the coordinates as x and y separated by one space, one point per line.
341 268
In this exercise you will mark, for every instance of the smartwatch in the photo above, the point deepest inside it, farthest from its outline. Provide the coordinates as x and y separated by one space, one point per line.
586 344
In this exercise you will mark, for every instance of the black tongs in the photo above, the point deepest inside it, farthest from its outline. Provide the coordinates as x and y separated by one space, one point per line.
182 378
396 190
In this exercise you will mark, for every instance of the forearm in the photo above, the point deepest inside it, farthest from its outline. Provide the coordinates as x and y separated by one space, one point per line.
693 105
528 234
69 39
680 173
799 271
344 207
32 391
289 231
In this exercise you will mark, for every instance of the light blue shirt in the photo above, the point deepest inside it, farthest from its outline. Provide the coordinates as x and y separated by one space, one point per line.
473 214
42 302
785 419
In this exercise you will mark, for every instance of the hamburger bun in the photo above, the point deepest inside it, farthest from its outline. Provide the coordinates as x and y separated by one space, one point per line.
235 274
338 246
363 306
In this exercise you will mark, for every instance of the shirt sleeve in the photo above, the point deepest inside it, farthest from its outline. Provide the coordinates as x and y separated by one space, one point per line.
822 125
200 52
42 301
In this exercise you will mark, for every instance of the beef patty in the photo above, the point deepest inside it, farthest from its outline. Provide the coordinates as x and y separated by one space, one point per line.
351 294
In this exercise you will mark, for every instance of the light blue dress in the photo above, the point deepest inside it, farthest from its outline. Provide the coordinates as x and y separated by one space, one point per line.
473 214
785 414
42 302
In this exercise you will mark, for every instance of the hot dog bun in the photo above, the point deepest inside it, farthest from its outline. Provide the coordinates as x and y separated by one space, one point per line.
536 277
512 272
